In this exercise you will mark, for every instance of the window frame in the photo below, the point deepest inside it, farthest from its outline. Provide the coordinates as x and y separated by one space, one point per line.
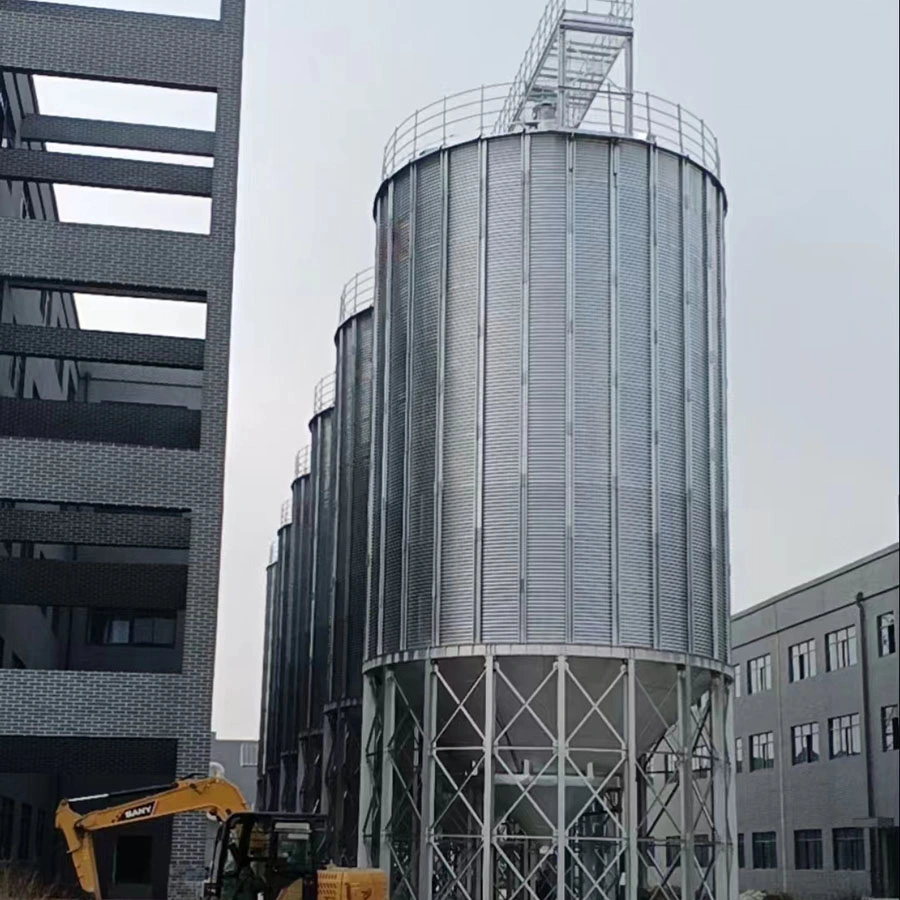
802 661
887 629
890 728
853 838
759 669
764 740
807 838
738 754
248 746
808 732
841 651
761 842
847 728
129 617
742 856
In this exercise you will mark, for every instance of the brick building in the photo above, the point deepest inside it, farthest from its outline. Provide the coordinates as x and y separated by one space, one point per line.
111 443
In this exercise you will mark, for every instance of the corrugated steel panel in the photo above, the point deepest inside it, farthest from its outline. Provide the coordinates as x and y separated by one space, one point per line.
457 576
395 401
299 592
423 402
673 626
635 430
700 562
359 495
322 484
503 394
591 583
538 381
373 628
546 498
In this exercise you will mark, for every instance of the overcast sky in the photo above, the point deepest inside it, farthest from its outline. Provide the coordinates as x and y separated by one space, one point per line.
804 102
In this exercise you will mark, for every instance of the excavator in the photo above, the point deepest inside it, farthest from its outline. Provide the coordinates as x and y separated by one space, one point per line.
257 856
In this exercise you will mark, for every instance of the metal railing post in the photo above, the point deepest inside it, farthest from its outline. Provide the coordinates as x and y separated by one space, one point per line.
444 123
415 133
481 115
680 131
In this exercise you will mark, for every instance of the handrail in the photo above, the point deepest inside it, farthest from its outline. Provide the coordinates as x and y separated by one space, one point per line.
358 294
301 462
286 513
467 115
323 394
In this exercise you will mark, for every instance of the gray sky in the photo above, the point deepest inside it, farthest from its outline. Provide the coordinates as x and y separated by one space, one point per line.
805 109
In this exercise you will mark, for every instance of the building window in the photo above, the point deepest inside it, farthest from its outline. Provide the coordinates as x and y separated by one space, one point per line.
843 735
805 739
742 859
249 754
849 849
702 851
841 646
765 855
6 827
673 852
887 641
803 660
739 754
808 849
759 674
737 680
24 851
133 858
890 728
134 629
762 751
701 762
670 766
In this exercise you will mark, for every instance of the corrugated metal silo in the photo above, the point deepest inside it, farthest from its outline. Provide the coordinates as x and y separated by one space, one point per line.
320 543
352 450
268 769
549 578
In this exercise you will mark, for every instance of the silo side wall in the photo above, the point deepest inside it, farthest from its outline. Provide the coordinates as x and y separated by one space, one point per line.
321 560
299 590
353 426
548 432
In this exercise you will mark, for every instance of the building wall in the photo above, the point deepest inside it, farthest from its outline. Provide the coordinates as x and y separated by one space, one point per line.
142 434
829 793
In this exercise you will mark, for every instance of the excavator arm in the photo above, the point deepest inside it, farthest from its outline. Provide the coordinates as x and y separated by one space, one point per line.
212 795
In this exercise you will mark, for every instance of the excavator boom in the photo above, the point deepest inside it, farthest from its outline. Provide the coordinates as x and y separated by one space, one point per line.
213 795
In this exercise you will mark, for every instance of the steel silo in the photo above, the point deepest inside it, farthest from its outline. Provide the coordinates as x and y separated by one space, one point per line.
352 431
320 544
548 591
295 649
268 768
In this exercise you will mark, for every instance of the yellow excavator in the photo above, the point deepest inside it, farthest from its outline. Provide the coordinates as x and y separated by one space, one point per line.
257 856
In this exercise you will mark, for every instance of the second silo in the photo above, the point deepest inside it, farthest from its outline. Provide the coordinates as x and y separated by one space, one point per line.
352 434
548 618
320 544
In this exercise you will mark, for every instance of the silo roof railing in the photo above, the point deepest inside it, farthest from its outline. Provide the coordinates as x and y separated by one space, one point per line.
476 113
273 553
301 462
323 395
358 294
286 513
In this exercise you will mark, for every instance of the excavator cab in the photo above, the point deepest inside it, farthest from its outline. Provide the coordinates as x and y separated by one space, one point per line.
267 856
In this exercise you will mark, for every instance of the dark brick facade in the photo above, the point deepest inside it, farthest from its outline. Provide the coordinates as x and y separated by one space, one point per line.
74 463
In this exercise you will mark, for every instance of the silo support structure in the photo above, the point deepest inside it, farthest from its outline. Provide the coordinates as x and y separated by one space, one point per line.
572 772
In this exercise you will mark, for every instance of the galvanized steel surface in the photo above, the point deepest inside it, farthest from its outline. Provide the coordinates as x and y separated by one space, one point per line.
482 111
353 426
550 370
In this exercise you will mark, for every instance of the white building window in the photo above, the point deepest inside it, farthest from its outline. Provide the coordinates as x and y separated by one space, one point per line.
841 646
803 660
759 674
844 735
249 754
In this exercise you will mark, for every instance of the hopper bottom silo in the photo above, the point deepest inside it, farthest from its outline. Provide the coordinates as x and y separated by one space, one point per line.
563 772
